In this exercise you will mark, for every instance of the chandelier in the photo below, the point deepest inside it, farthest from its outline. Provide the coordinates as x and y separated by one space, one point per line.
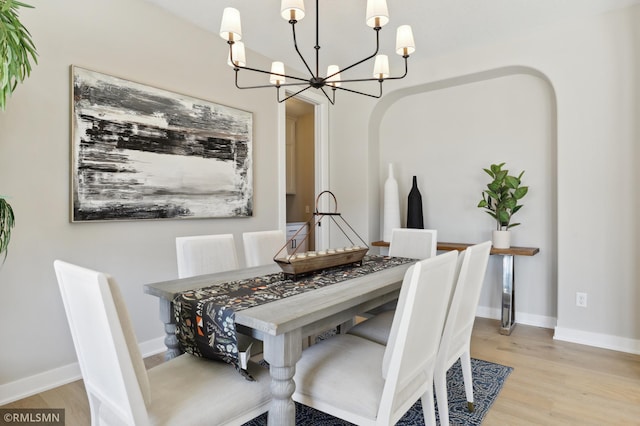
293 11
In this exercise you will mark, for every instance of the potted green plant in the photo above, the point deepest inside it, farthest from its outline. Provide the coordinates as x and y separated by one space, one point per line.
500 201
16 53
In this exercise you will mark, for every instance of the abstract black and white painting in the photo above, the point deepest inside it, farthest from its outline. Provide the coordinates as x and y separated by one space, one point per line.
144 153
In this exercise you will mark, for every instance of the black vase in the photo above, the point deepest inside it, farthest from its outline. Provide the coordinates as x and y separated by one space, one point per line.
414 207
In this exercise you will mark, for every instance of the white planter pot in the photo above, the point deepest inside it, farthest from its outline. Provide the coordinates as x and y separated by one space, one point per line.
501 239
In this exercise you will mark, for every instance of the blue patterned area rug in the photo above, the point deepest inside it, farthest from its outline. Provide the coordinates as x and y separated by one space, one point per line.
488 379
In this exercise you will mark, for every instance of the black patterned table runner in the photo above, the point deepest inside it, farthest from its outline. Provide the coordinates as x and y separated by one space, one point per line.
205 317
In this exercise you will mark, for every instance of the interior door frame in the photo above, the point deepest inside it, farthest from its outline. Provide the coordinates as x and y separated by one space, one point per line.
321 148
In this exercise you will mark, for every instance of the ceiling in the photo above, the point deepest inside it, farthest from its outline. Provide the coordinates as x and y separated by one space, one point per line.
439 26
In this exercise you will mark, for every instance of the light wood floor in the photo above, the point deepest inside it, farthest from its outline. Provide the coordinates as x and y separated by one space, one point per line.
558 383
553 383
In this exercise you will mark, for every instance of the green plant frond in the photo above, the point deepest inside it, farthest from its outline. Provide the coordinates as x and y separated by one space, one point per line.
492 194
503 217
492 214
7 221
520 192
501 175
489 172
505 191
17 4
512 225
512 182
17 49
494 188
6 5
510 203
495 168
482 203
515 209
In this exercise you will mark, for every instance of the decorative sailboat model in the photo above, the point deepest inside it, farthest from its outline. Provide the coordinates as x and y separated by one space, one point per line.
296 263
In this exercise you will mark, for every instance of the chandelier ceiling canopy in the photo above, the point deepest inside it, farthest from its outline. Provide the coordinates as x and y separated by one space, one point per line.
293 11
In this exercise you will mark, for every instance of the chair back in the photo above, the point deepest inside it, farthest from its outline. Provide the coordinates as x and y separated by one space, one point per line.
464 303
409 359
413 243
112 368
205 254
260 247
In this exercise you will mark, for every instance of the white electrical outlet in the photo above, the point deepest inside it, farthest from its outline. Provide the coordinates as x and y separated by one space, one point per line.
581 300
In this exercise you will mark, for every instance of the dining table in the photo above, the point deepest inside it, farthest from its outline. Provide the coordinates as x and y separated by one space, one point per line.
281 324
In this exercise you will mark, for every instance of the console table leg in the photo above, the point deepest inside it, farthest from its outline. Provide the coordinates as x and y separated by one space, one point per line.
508 302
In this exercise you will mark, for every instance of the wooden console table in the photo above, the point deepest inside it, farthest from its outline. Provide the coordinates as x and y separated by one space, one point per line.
508 309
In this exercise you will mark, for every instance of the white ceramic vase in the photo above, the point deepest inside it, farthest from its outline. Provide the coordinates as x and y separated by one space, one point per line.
391 206
501 239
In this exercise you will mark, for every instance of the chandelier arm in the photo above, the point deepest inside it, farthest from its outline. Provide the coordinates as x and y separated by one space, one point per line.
362 93
373 55
237 67
406 70
291 96
293 84
261 86
295 44
264 86
332 101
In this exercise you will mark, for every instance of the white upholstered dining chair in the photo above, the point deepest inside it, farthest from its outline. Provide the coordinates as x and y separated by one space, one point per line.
366 383
208 254
456 336
260 247
413 243
205 254
186 390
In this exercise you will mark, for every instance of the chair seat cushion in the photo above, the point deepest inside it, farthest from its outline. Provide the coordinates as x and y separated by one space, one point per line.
376 329
188 390
341 376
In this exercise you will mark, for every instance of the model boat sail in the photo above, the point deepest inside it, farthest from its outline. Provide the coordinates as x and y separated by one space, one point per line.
296 263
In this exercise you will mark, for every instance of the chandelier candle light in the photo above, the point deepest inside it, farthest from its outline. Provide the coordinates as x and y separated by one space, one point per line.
293 11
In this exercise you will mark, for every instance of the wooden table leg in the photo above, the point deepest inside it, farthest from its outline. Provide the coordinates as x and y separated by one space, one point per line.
170 339
282 352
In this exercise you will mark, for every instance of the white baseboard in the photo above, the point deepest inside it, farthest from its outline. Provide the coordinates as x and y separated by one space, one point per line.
605 341
521 317
152 347
486 312
41 382
37 383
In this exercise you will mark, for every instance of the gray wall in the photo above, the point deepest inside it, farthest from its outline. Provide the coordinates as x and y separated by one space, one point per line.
136 41
446 137
591 66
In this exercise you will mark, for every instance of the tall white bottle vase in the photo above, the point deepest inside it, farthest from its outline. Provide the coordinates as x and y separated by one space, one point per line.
391 206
